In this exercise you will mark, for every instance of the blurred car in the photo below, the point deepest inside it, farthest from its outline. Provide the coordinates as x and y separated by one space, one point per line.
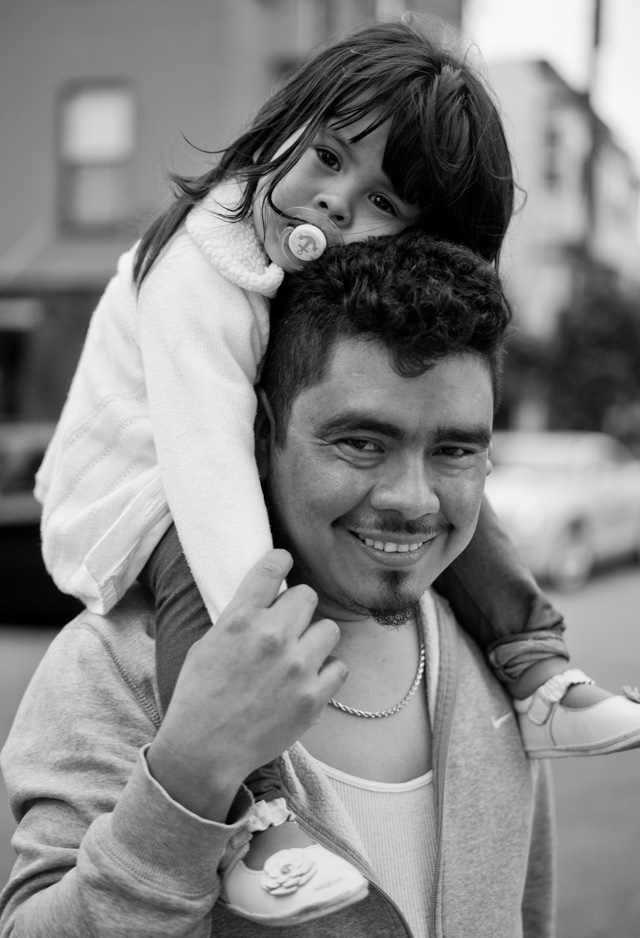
569 501
28 595
22 446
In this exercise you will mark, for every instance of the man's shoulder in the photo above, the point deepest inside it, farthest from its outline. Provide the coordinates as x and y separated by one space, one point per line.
479 696
449 639
130 622
124 641
98 678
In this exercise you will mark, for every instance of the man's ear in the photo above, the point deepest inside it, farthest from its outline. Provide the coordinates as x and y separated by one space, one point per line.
264 429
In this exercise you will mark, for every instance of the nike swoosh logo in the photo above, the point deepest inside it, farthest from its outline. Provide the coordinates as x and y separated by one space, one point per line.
498 721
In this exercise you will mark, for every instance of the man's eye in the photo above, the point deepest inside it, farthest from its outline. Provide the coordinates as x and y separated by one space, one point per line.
384 205
361 446
455 452
328 157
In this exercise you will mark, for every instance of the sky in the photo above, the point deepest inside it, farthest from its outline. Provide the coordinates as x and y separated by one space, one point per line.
560 31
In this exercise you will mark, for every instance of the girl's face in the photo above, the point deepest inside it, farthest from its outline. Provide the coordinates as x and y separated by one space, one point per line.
338 178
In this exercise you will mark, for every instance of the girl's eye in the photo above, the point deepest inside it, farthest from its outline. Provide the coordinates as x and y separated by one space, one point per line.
328 157
383 204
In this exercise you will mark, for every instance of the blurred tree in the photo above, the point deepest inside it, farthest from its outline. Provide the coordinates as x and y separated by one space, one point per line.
525 383
593 364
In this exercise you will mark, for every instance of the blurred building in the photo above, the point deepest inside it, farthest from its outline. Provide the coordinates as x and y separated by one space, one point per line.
580 218
97 98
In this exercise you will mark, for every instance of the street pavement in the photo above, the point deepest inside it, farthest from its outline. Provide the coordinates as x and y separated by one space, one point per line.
598 799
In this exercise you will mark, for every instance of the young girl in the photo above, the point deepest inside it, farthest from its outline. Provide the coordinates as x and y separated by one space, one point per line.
379 132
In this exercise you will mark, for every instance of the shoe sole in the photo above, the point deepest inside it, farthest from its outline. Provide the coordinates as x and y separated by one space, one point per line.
619 745
307 915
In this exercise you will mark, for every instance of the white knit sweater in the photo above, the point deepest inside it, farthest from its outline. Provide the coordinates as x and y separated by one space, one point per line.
159 419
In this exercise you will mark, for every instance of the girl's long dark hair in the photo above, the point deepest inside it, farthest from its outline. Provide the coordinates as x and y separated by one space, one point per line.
446 150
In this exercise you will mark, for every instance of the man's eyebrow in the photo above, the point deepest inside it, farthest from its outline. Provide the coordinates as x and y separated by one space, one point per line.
357 422
477 435
353 421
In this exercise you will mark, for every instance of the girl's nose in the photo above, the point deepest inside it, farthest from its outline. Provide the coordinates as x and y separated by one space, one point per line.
335 204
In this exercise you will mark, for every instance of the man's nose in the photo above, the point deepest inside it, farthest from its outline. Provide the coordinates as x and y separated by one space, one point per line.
407 488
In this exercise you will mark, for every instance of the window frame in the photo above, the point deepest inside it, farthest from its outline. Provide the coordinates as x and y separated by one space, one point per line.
67 168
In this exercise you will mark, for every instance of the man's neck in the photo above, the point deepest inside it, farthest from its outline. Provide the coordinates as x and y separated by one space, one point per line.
382 663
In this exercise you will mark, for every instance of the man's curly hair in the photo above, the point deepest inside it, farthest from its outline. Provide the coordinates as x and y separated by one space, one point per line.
421 298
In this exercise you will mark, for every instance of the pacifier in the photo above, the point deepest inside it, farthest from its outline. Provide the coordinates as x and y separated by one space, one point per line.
303 235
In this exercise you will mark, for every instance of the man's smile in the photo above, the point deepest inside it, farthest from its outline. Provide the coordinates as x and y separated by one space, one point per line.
393 547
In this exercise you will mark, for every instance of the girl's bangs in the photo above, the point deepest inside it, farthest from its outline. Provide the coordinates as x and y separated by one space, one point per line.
356 107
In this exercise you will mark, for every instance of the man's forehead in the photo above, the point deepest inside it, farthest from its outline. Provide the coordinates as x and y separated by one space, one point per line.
367 357
361 389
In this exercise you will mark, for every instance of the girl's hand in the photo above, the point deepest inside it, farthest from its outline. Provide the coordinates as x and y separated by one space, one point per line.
248 689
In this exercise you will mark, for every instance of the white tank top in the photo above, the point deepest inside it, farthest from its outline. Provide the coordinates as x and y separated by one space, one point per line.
397 824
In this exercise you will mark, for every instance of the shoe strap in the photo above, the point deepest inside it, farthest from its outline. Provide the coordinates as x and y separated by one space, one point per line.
552 691
269 814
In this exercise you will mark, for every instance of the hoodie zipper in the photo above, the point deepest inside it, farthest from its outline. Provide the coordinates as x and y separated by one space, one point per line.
324 838
445 736
448 695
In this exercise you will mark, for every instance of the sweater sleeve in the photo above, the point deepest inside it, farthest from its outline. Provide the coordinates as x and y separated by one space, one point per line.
99 485
102 849
202 340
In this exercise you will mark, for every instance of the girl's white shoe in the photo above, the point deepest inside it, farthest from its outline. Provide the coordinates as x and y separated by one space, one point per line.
294 886
550 730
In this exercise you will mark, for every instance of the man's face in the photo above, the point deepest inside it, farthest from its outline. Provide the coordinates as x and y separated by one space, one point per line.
378 485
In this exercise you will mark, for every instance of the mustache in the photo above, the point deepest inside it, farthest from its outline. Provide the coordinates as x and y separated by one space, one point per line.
410 527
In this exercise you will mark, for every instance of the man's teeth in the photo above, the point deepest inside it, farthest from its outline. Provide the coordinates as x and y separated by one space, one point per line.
389 547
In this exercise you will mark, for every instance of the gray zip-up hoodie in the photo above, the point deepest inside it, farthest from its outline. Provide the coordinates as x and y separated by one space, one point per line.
104 852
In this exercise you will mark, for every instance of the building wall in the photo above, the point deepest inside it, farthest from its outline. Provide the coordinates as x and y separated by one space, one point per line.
615 237
555 236
197 67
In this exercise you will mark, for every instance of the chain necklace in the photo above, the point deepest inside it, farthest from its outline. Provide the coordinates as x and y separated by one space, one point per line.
378 714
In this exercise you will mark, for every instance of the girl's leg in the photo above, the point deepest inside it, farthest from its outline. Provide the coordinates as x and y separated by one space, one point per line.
182 619
497 600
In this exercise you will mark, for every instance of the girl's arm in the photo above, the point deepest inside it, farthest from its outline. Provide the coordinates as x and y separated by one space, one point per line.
499 603
104 508
202 339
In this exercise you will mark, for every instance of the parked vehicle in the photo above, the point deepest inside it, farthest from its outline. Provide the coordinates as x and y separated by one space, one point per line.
28 594
569 501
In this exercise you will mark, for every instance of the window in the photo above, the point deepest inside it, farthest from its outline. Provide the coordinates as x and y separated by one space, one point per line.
552 145
97 140
386 8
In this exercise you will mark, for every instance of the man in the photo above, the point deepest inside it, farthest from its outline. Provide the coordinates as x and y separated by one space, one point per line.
377 399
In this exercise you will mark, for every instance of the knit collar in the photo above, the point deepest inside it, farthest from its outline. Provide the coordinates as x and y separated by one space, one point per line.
232 247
